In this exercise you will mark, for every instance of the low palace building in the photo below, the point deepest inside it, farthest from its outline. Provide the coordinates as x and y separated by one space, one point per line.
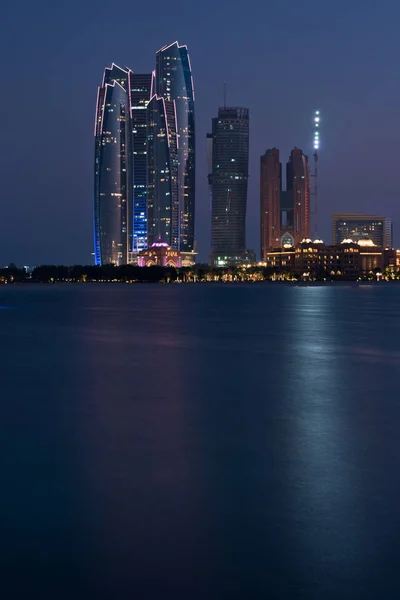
348 259
161 255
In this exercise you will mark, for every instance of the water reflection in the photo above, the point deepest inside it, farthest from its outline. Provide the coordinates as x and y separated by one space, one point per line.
137 393
205 441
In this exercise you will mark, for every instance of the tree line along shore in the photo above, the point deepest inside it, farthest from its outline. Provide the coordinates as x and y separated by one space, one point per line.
196 274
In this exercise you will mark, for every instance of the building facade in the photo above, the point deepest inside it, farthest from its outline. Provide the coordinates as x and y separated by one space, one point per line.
172 111
287 218
348 260
298 186
160 254
140 91
357 226
285 214
120 210
228 180
270 201
113 169
162 173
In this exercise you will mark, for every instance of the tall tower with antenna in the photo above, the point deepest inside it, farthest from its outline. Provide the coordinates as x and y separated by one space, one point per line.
316 132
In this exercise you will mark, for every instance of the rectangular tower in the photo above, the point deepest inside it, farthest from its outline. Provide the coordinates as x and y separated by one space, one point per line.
140 90
228 179
298 184
270 193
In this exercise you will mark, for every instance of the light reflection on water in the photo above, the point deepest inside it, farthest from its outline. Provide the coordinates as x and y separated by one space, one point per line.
201 441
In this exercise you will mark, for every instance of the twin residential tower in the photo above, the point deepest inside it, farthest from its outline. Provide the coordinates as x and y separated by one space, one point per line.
145 159
284 214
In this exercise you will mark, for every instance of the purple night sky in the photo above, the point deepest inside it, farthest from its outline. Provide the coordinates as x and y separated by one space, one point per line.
282 60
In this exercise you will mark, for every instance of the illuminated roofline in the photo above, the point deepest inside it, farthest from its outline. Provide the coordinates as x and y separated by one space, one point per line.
113 84
109 85
170 45
110 69
153 79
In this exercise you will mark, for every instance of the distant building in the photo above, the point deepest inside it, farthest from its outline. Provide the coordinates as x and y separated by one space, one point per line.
248 257
357 226
270 201
160 254
228 151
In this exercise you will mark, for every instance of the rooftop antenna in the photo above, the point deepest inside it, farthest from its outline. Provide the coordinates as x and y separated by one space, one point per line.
224 94
316 125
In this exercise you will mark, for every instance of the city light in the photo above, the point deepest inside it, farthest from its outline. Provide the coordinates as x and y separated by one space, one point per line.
316 130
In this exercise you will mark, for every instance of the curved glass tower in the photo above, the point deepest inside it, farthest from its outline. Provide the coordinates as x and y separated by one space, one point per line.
162 173
174 83
113 179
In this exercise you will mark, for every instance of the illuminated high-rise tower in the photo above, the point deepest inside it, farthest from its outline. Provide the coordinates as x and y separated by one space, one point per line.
173 94
162 173
298 185
270 201
120 208
229 162
140 92
113 171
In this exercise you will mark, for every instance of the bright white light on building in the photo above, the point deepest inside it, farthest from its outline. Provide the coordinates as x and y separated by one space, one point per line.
317 119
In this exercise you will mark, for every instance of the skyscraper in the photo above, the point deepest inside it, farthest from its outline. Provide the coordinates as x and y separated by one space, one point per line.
113 180
228 180
298 185
270 201
162 173
171 148
356 226
120 211
140 92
